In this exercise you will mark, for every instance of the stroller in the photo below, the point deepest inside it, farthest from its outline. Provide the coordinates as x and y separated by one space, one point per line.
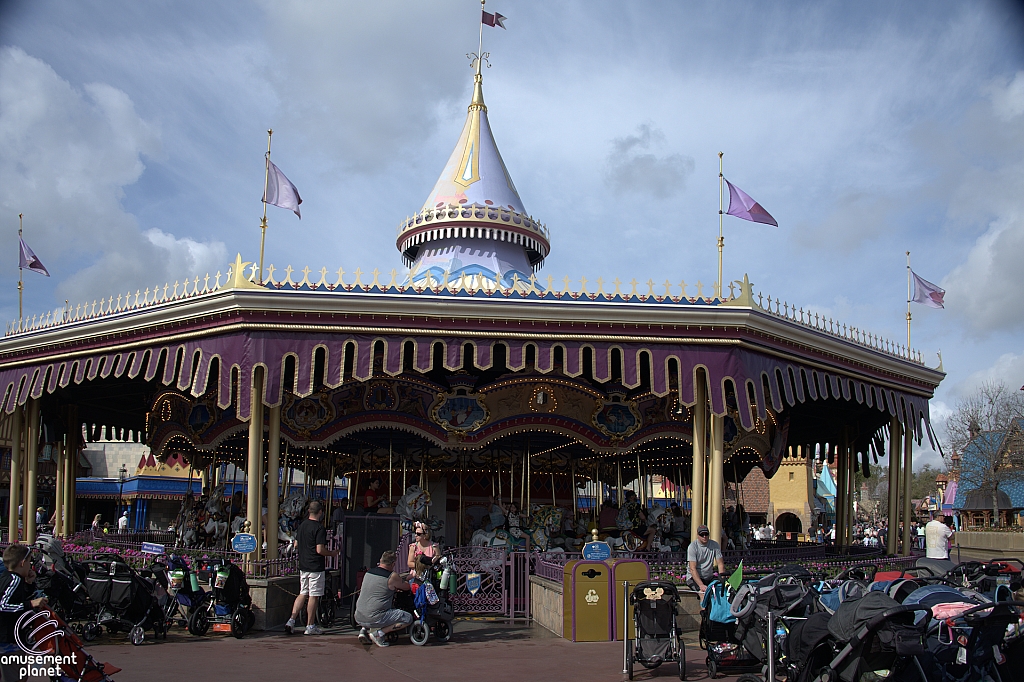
124 599
718 634
186 594
430 603
62 580
656 638
765 611
228 608
873 637
50 634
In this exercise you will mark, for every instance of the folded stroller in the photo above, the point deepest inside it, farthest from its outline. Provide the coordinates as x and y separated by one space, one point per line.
656 635
124 599
62 580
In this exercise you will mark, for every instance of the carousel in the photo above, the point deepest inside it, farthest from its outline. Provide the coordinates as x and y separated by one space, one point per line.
463 385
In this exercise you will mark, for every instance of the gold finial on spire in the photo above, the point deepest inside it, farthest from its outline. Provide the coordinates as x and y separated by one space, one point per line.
476 61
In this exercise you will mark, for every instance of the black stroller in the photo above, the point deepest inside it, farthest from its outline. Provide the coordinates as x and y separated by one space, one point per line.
186 595
429 618
970 646
873 637
229 606
62 580
656 638
124 599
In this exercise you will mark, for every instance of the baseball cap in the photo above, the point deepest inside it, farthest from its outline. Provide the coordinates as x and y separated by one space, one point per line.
703 529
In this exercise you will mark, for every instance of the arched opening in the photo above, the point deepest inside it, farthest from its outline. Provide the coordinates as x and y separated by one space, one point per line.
787 522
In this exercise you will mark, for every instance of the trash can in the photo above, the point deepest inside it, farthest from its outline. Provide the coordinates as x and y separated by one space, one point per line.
635 571
587 604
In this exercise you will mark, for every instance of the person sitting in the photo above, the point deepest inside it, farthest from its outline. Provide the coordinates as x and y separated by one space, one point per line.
372 499
423 546
606 519
495 516
632 517
374 614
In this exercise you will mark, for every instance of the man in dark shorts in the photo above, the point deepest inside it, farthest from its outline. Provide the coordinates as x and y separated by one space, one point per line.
312 546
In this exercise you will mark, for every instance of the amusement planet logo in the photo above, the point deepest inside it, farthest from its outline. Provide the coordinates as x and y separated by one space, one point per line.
33 661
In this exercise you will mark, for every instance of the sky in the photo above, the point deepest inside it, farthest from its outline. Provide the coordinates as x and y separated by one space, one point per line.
132 138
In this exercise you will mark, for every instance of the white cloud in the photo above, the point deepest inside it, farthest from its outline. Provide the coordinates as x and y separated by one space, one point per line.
634 168
1008 101
68 155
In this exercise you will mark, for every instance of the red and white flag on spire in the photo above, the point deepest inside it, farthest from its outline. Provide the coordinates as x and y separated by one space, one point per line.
927 293
742 206
493 19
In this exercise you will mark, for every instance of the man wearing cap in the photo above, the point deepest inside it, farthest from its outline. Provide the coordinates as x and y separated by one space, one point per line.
703 557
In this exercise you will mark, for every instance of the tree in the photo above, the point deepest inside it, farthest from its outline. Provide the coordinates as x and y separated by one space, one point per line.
985 431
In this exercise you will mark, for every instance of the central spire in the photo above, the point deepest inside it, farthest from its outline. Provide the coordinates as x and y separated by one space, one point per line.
473 222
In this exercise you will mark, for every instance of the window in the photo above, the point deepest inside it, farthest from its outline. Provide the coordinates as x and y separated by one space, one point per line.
791 477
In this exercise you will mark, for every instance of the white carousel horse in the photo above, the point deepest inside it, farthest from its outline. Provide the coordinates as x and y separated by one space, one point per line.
216 528
414 505
545 523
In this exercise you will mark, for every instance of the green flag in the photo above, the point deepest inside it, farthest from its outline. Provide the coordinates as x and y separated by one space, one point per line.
736 578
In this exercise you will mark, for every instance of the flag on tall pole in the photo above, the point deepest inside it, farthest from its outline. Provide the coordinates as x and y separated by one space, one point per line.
280 191
743 206
926 293
29 260
495 19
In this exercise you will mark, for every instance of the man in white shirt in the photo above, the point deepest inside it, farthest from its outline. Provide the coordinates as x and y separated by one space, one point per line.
122 523
937 535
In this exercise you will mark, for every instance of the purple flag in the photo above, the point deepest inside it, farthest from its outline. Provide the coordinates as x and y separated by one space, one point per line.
742 206
493 19
927 293
280 190
30 261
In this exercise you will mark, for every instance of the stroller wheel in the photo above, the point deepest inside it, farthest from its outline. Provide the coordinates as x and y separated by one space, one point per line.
419 633
325 610
137 635
712 669
443 630
91 632
682 661
629 659
239 623
198 622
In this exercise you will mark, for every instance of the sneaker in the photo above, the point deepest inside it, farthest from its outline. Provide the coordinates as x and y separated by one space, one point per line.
379 638
313 629
364 636
289 627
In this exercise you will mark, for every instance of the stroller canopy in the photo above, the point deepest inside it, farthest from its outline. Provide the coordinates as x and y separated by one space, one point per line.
852 615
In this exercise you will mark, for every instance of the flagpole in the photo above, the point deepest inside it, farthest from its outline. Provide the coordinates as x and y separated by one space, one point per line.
21 286
721 238
480 45
908 301
263 222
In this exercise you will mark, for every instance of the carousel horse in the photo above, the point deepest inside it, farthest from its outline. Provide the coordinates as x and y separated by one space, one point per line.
185 523
497 538
545 523
288 522
414 505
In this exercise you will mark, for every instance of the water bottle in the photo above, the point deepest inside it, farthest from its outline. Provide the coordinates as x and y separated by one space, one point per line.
193 581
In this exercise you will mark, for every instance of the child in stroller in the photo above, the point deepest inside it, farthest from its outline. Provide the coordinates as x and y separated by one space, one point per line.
428 601
229 606
656 638
124 599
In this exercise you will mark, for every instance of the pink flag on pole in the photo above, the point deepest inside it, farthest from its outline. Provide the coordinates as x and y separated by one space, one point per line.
742 206
280 190
493 19
30 261
927 293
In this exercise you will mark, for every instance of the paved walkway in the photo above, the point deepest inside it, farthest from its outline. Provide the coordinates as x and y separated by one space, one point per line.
478 650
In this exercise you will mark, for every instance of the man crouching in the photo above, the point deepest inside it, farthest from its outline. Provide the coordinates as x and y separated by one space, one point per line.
374 614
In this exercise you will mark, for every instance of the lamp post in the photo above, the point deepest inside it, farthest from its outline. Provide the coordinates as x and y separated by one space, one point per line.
122 474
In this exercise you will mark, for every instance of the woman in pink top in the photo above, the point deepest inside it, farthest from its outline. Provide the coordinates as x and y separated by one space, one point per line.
422 546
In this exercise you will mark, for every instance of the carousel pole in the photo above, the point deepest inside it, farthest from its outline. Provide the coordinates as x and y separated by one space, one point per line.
599 489
618 477
522 486
717 480
263 222
700 408
355 485
405 466
71 469
641 487
462 476
284 475
255 480
391 471
551 466
31 465
58 511
17 457
273 471
575 497
895 441
908 477
529 476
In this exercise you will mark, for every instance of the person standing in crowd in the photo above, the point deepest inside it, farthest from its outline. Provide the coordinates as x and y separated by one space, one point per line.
937 535
703 557
338 515
374 614
122 523
312 542
96 525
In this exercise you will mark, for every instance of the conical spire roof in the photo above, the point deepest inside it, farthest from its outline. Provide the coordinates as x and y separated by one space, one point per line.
473 222
475 172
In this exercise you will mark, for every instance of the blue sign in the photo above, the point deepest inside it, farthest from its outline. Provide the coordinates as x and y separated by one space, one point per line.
152 548
473 583
243 543
597 551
